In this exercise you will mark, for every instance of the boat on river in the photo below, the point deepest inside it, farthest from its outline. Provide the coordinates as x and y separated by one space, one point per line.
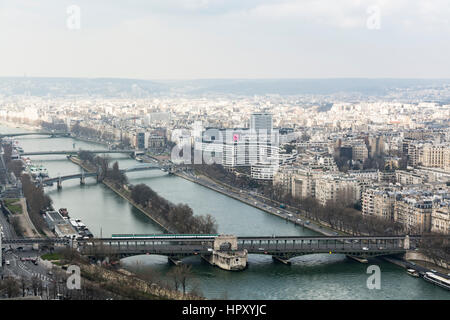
413 273
437 280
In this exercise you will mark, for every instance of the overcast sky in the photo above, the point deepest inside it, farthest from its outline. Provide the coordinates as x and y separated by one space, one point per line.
187 39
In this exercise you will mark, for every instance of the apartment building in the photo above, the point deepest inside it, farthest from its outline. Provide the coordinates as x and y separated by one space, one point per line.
303 183
336 187
435 156
359 152
414 212
440 219
408 177
378 203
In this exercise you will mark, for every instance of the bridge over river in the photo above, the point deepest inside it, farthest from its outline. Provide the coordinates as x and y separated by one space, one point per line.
230 252
83 175
39 133
75 152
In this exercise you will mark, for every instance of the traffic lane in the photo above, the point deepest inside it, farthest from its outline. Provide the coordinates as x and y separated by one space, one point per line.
8 230
26 269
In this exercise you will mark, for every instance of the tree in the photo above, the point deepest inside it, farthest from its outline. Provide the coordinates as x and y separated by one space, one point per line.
23 285
16 166
7 151
185 272
103 164
118 177
86 156
11 287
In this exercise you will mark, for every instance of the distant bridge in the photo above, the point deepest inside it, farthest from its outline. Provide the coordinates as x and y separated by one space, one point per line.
30 241
41 133
83 175
75 152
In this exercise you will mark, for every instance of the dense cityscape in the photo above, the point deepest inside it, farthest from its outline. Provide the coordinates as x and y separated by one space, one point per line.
377 167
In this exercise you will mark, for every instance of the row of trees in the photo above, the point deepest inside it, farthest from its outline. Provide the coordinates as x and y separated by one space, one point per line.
178 217
37 201
436 247
58 126
95 134
91 133
11 287
103 167
16 167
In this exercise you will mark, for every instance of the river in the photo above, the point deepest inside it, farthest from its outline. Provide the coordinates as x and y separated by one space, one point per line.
320 276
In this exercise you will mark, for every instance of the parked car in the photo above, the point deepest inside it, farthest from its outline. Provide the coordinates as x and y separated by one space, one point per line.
365 248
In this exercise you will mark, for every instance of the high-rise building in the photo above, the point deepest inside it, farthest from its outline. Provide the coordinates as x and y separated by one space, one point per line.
261 121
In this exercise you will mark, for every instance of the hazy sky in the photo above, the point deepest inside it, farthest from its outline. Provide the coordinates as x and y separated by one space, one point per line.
185 39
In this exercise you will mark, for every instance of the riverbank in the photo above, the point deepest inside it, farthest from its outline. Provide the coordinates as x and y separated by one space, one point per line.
122 194
20 125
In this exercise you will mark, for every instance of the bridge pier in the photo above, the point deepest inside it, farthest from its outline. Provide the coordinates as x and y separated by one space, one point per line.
281 260
358 259
225 254
59 184
174 260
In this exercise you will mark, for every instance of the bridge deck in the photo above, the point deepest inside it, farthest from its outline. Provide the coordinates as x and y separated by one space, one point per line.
278 246
72 152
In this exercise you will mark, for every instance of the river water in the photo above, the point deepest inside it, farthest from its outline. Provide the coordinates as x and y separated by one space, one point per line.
319 276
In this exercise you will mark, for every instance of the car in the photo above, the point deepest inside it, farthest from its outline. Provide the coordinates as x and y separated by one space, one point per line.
7 262
50 273
380 248
365 248
299 220
261 249
432 270
290 215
